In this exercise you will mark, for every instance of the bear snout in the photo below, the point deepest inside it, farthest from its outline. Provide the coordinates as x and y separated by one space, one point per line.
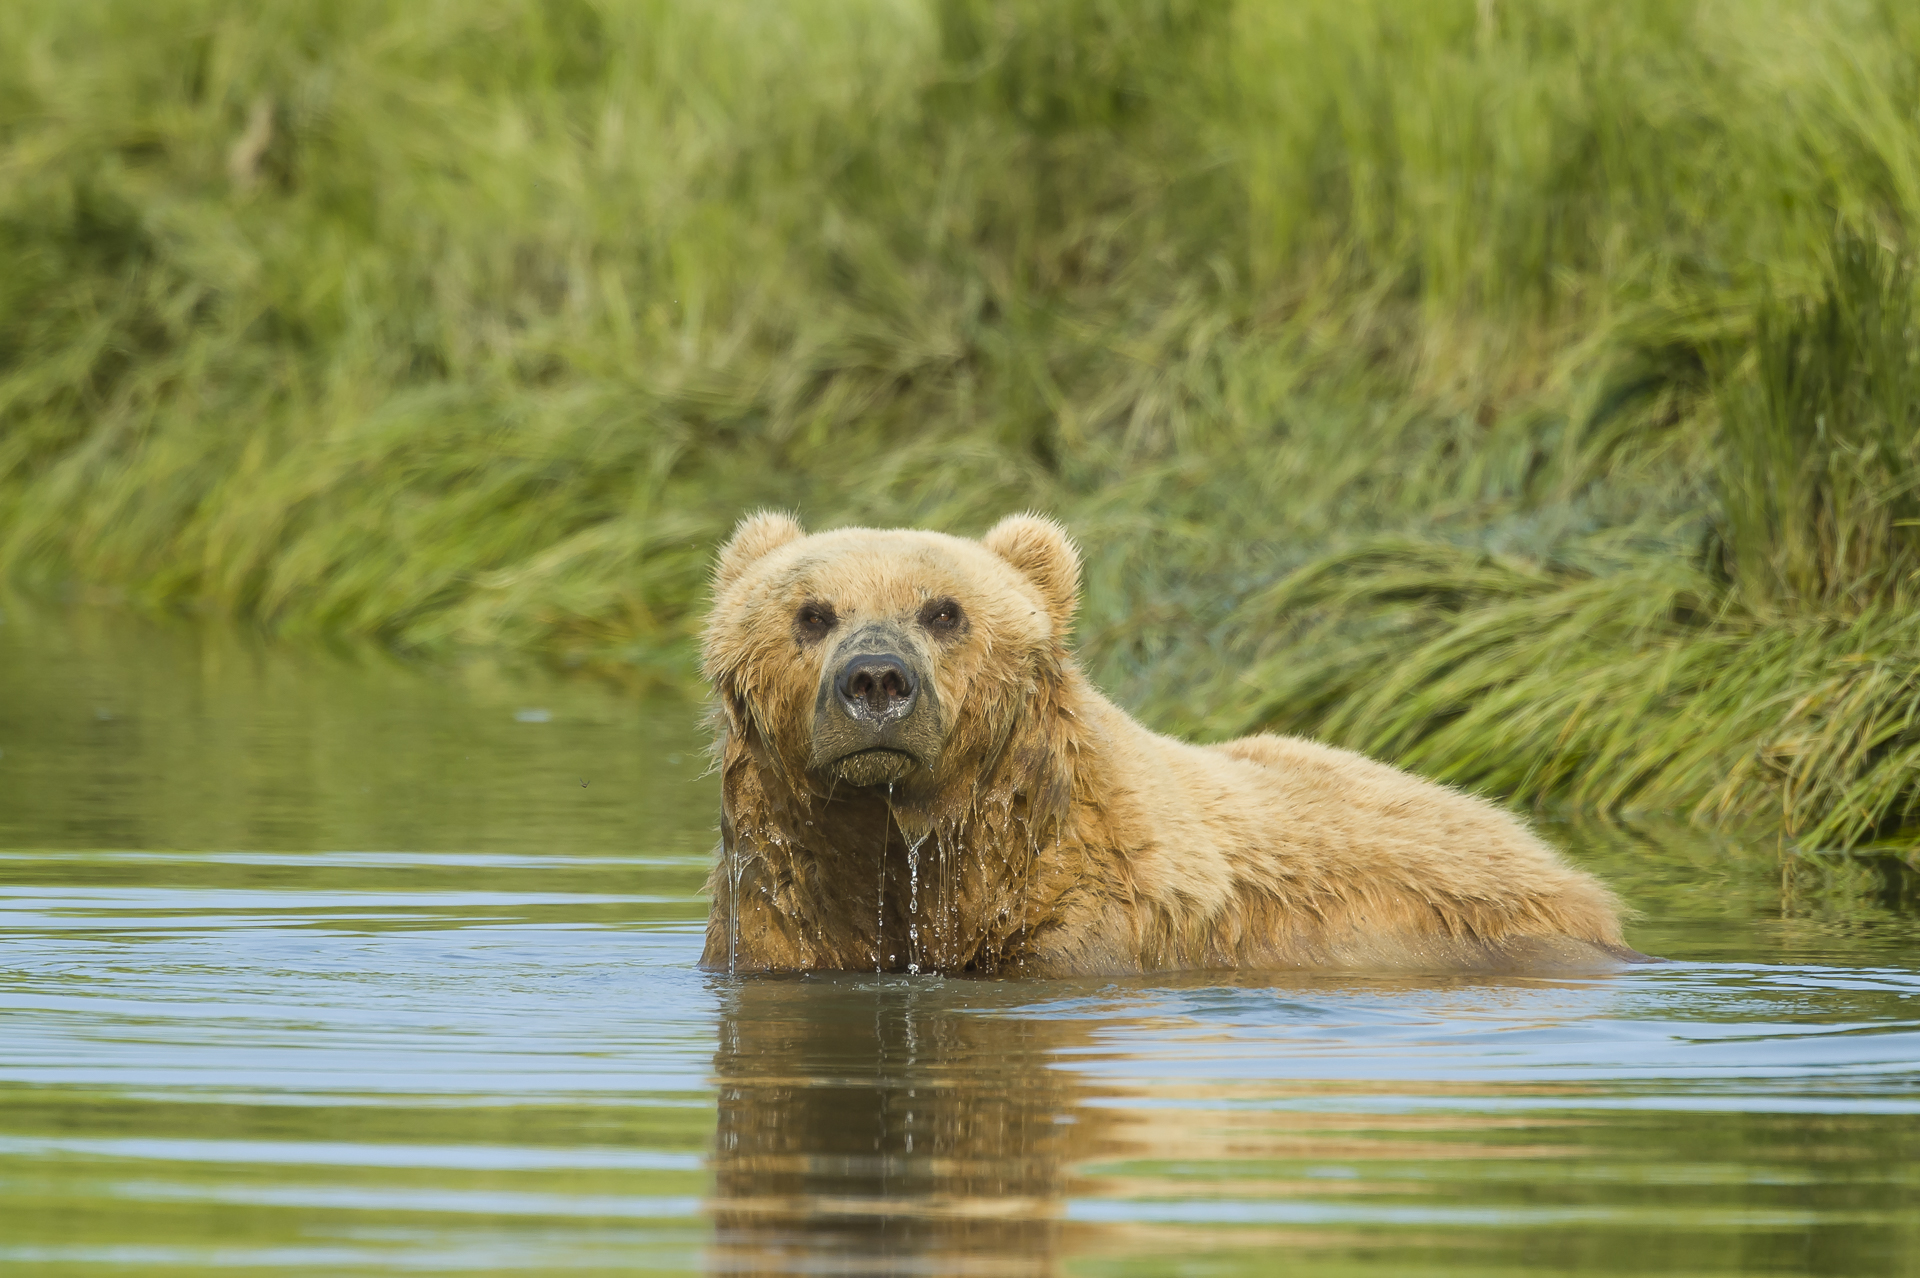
875 720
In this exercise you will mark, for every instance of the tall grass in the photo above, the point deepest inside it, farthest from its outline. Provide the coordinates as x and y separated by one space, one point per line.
1820 476
1772 670
1520 390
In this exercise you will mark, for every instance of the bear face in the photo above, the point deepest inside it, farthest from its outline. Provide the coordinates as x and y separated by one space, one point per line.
870 658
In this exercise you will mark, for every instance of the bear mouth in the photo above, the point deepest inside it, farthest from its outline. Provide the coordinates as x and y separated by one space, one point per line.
877 766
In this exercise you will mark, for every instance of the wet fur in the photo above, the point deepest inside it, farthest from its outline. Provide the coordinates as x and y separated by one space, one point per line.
1061 836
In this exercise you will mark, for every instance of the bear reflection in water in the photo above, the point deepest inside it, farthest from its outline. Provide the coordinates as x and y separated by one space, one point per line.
916 776
865 1127
888 1125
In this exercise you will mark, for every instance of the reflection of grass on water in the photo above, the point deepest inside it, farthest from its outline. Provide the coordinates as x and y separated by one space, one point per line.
1526 392
1729 895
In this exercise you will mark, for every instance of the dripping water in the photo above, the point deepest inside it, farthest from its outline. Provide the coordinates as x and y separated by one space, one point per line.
942 904
950 857
956 866
880 891
733 906
913 904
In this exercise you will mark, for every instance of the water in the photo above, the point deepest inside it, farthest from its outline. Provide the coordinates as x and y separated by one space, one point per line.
314 963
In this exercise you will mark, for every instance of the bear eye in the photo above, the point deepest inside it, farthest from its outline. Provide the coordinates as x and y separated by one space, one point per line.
814 620
942 616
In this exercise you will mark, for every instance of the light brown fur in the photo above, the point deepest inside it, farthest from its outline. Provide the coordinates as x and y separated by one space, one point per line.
1055 834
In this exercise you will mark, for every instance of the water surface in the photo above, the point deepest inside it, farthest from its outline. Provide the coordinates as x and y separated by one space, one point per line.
316 963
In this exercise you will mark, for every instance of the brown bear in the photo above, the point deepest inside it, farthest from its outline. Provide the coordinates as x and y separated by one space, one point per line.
915 776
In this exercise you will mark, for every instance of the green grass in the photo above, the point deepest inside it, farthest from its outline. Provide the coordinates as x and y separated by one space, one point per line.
1523 391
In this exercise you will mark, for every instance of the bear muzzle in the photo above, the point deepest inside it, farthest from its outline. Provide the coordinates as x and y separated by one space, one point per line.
876 719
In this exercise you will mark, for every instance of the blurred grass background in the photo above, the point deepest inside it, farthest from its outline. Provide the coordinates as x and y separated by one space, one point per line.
1527 392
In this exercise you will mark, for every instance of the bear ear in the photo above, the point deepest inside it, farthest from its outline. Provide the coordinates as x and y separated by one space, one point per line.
1040 550
758 534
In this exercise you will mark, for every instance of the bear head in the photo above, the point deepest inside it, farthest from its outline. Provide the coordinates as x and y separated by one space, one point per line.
865 658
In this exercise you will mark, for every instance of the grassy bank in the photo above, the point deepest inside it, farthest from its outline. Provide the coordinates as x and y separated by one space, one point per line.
1523 391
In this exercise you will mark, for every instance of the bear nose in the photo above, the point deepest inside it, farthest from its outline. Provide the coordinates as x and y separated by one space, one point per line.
877 687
